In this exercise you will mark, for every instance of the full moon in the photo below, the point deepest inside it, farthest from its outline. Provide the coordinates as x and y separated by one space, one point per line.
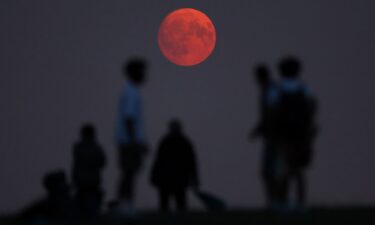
187 37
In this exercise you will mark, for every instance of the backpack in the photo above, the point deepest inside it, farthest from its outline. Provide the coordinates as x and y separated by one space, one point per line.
294 114
295 125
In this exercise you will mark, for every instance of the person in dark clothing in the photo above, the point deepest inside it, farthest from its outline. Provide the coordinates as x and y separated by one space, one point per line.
293 121
261 130
57 205
88 163
175 168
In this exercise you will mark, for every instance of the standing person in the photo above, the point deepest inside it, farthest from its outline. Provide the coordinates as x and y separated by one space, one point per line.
130 134
88 163
293 120
261 130
175 168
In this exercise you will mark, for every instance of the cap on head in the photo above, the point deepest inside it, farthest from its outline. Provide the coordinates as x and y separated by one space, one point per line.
290 67
134 69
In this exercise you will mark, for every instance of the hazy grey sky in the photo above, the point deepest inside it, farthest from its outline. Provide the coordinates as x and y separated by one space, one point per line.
60 66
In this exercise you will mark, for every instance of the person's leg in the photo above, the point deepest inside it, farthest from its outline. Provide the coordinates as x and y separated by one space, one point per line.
281 179
96 201
272 188
79 201
283 190
128 185
267 184
130 164
269 190
301 188
269 174
181 201
164 199
88 203
125 174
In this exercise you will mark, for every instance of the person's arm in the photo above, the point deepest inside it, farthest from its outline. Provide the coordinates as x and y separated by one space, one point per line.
271 113
256 131
313 109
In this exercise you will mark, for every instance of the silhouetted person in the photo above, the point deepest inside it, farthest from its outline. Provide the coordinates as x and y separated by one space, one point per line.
88 163
293 121
262 130
57 204
130 138
175 168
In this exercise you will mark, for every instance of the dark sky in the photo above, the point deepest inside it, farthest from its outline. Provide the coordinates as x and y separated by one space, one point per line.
60 66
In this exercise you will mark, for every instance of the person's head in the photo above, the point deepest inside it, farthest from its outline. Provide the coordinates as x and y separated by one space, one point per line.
88 131
175 126
55 183
262 75
135 70
290 67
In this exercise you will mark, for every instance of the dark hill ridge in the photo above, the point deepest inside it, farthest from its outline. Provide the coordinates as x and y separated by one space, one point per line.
315 216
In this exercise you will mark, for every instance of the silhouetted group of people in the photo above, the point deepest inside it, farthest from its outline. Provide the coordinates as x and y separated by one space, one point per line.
286 125
84 197
287 110
173 172
174 169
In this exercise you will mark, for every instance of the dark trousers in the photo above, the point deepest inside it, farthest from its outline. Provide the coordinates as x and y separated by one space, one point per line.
130 157
179 196
296 153
270 190
89 201
269 174
297 177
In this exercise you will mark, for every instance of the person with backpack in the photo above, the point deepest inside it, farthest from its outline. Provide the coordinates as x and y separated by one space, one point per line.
293 109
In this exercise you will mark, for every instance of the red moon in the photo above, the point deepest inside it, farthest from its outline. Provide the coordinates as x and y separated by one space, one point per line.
187 37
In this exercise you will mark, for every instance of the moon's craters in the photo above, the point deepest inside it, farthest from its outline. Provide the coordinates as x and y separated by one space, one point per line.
187 37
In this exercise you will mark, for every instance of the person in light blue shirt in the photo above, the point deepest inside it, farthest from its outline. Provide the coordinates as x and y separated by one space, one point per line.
130 108
130 138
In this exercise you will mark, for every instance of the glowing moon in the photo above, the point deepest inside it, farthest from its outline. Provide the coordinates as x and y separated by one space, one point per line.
186 37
